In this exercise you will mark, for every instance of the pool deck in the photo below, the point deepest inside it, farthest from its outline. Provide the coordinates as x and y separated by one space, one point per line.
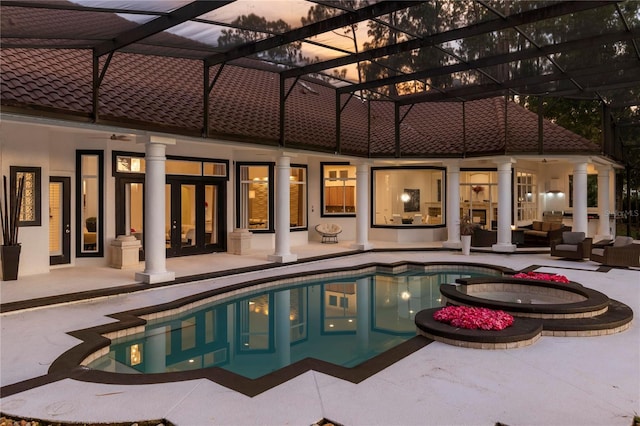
556 381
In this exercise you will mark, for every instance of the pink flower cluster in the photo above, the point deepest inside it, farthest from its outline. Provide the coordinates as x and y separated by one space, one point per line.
540 276
473 318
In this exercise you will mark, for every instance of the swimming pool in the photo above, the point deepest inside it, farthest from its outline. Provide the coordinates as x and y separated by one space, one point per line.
343 320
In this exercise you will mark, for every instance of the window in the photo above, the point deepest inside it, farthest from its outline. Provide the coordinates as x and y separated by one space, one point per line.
339 314
255 323
89 203
298 197
135 163
479 196
298 314
407 196
338 189
526 190
592 190
254 194
30 202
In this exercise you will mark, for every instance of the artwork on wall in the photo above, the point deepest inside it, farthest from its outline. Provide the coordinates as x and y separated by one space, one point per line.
412 204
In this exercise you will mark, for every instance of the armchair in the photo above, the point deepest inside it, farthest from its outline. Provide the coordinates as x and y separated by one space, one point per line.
329 232
573 245
621 252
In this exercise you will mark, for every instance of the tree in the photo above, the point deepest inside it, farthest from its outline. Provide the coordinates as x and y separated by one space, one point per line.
289 53
321 12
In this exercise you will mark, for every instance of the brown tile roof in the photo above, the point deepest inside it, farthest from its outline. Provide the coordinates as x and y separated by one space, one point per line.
57 79
166 93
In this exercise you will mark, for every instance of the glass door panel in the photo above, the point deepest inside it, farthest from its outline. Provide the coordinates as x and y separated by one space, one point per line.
169 224
210 214
134 212
90 213
195 216
59 220
56 228
188 215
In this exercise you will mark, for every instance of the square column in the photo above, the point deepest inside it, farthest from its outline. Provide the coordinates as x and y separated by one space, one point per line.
283 240
505 195
155 251
362 208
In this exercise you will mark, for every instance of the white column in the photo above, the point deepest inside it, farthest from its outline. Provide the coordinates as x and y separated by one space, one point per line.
282 210
363 313
362 208
155 351
453 205
155 251
604 227
505 205
580 217
283 327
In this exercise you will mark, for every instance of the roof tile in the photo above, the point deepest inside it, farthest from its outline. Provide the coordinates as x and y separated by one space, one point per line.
244 104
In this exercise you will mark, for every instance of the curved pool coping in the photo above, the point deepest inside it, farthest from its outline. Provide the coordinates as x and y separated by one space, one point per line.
96 340
595 302
597 315
523 332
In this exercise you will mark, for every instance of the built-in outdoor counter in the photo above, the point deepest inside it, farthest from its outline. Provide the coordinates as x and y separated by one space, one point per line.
593 223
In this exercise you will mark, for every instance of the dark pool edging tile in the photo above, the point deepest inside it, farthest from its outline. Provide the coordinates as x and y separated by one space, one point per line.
68 365
248 387
136 287
253 387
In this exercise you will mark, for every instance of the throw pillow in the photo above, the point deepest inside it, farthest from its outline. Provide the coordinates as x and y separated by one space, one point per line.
572 237
622 241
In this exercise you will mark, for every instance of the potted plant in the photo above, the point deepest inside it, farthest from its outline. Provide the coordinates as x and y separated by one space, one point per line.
9 218
466 230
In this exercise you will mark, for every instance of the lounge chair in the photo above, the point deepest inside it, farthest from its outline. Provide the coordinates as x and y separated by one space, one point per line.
574 245
619 252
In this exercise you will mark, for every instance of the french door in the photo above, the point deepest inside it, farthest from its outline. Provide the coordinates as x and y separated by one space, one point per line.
59 220
195 213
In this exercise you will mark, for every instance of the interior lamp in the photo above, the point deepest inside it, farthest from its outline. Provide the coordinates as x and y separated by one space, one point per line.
405 197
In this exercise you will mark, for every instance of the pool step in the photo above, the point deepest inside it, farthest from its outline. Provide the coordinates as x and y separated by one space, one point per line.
617 318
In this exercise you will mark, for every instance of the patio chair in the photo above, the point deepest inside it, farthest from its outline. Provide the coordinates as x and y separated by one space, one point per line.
329 232
619 252
574 245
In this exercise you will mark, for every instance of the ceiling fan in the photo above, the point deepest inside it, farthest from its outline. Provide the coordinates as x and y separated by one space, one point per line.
115 137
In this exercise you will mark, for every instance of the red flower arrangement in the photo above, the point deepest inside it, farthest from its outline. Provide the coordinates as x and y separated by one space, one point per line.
477 189
540 276
473 318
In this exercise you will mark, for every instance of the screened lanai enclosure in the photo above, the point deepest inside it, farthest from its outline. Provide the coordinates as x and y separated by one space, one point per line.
401 61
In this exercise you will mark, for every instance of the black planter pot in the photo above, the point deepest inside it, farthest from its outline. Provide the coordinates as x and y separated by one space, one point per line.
10 256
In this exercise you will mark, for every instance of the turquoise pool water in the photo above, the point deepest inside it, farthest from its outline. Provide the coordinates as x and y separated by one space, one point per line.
344 320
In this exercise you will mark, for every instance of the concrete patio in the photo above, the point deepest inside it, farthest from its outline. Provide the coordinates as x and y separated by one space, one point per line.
557 381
